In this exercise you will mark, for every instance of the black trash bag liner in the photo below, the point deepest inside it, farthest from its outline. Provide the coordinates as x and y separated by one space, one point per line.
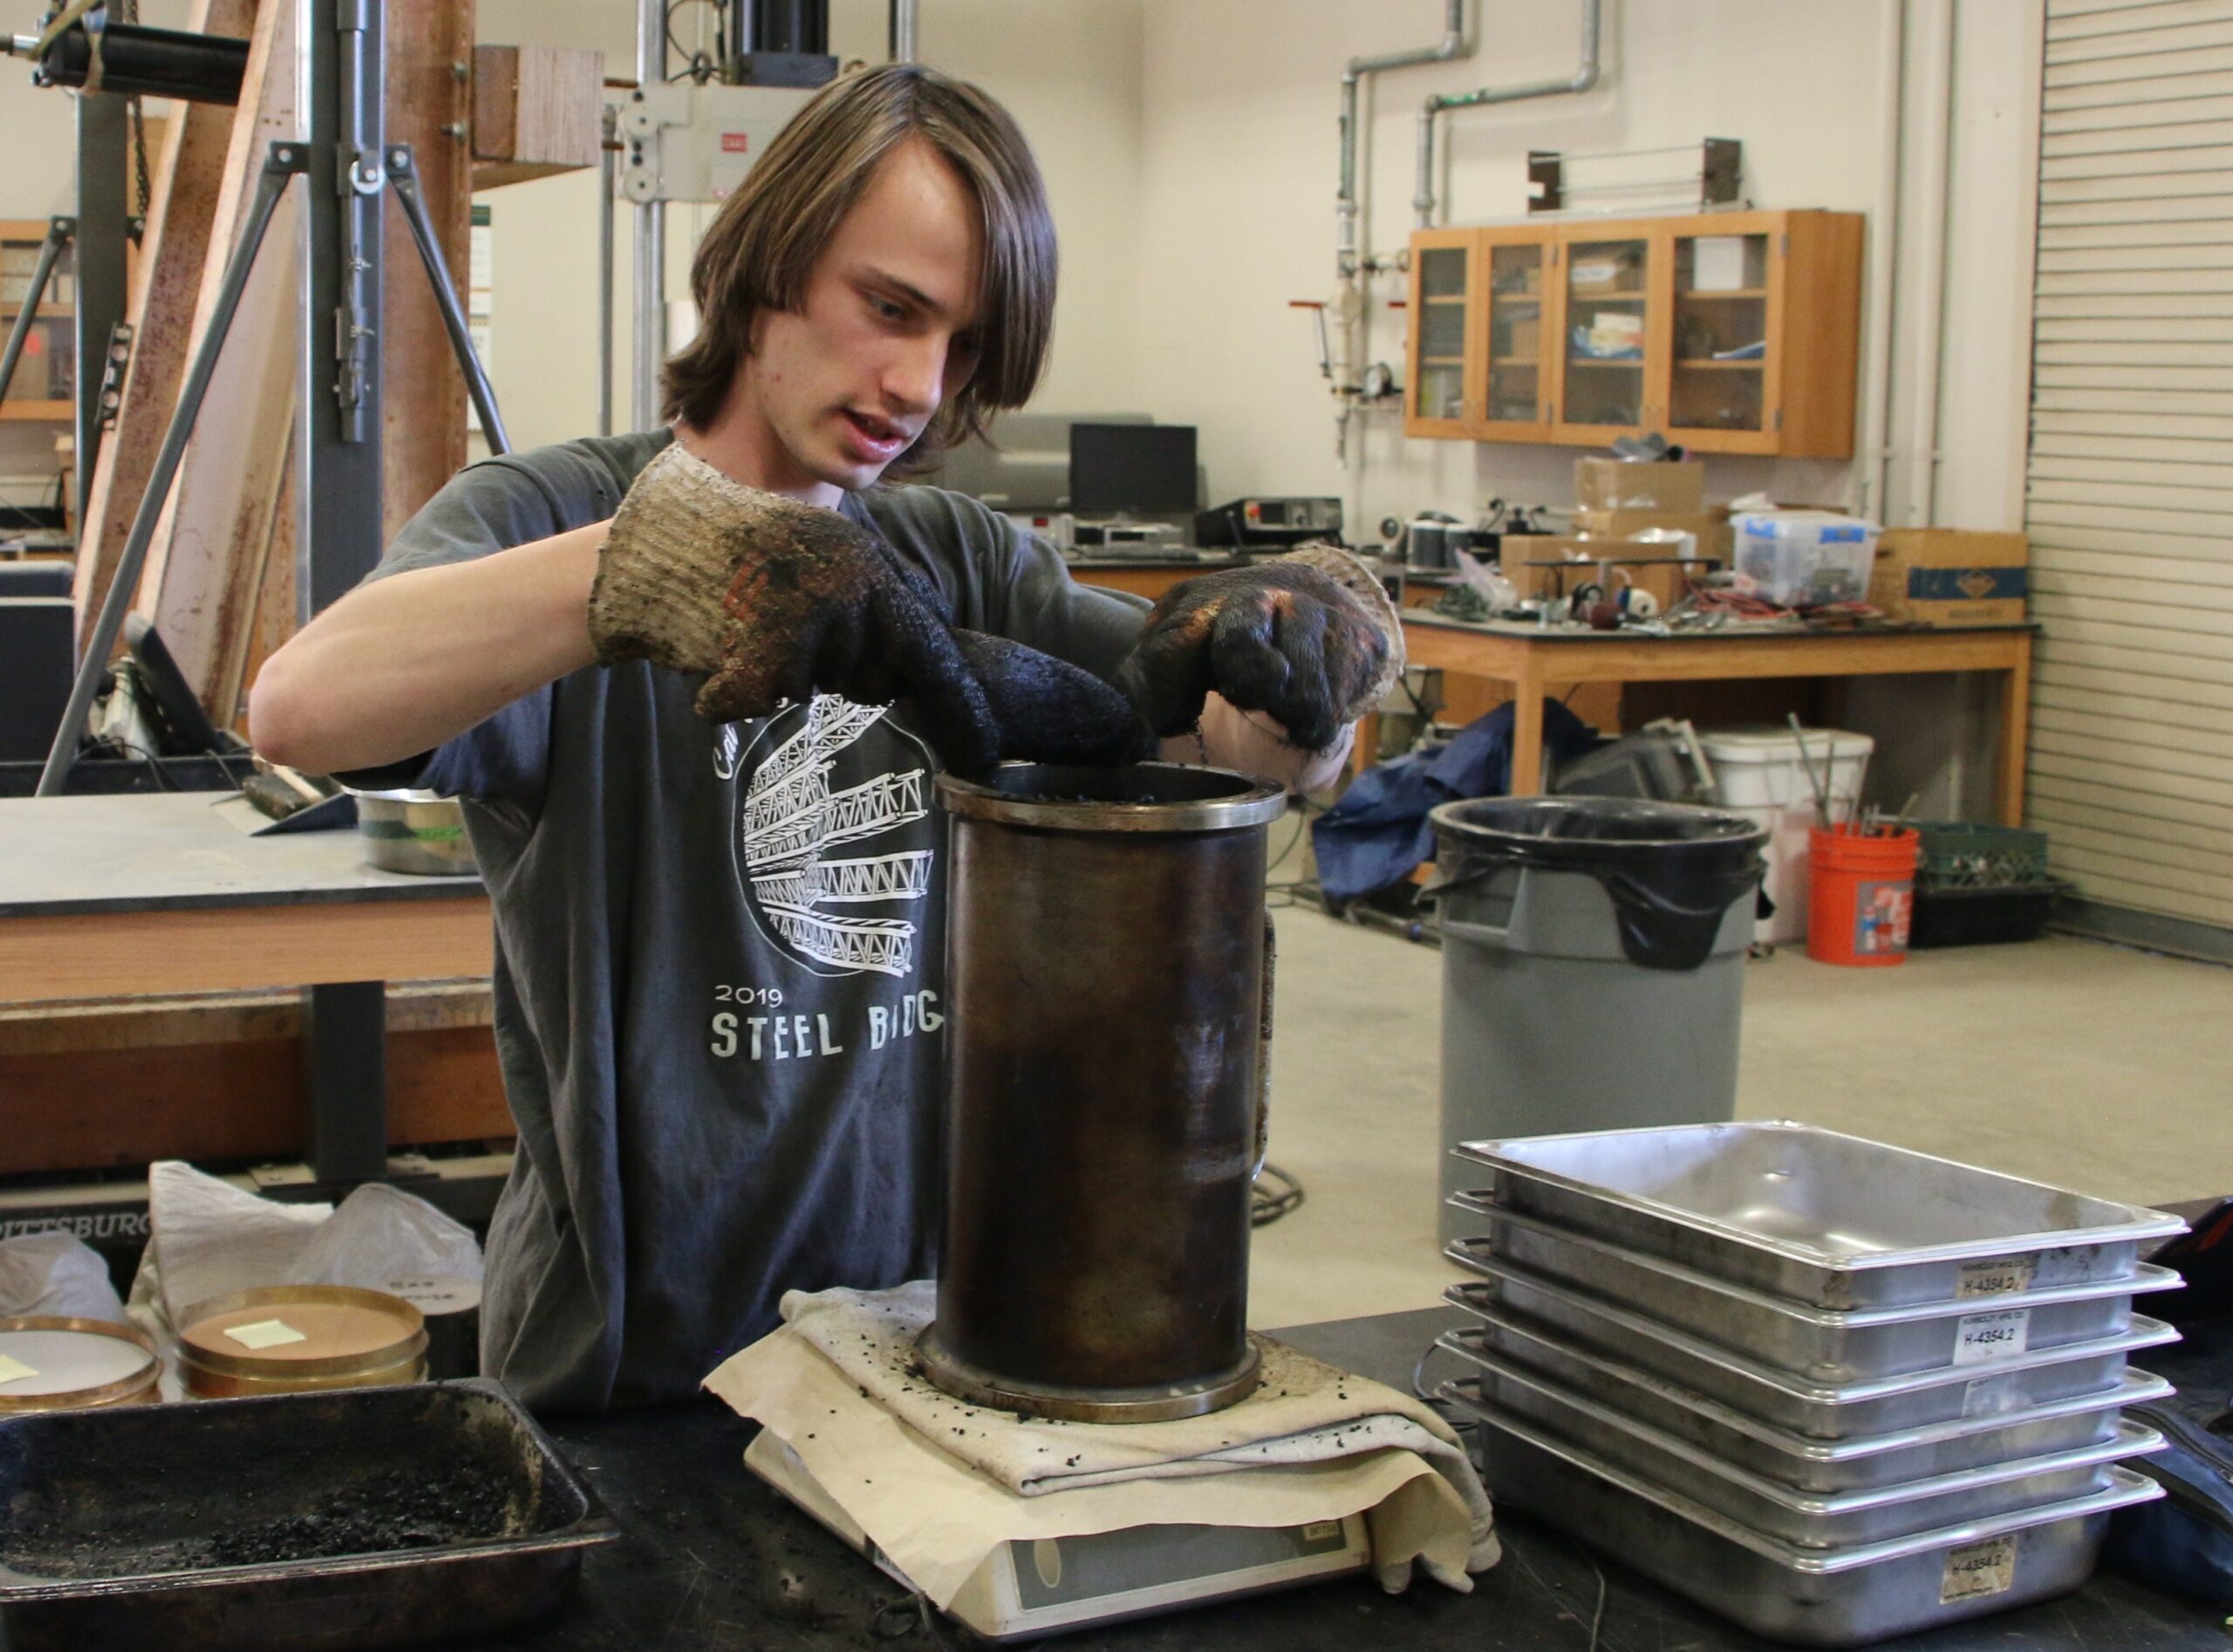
1672 869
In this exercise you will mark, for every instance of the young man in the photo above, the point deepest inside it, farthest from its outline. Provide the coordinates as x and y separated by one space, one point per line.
661 669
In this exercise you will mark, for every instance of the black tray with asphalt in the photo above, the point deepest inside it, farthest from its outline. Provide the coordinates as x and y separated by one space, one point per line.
353 1518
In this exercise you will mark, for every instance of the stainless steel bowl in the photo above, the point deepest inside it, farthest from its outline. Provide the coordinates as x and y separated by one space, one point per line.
421 832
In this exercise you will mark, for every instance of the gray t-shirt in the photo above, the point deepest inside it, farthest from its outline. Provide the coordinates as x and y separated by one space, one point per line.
720 970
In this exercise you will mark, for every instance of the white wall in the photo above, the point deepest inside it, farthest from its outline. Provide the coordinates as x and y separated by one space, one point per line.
1070 73
1239 170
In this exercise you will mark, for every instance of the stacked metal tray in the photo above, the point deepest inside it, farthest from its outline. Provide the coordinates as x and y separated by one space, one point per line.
1832 1389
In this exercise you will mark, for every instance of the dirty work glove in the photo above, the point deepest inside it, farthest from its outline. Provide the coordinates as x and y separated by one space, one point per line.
1049 711
773 600
1311 640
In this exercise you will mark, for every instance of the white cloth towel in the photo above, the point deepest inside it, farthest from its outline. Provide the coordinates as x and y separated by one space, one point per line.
1302 1412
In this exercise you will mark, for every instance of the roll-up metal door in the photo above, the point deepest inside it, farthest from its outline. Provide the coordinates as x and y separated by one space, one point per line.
2131 475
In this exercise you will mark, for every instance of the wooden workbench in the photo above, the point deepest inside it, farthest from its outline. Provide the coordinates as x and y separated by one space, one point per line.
1528 657
161 894
158 893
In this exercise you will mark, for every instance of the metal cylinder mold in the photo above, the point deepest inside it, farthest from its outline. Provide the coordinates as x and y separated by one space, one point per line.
1105 961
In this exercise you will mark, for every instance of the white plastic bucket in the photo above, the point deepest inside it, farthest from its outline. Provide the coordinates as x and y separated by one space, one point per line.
1757 772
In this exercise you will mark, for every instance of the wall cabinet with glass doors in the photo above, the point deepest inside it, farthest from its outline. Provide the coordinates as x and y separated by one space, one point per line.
1729 332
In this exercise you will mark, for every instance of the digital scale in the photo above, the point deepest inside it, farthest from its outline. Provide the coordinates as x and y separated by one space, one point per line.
1040 1587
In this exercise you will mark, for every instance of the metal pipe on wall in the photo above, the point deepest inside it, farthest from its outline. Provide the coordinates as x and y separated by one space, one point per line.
1584 78
607 178
1873 472
903 30
648 336
1927 342
1452 44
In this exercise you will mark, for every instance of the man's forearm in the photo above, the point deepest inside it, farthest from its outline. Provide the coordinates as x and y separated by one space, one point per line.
397 667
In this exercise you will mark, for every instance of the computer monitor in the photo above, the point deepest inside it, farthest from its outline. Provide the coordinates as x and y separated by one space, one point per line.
1146 469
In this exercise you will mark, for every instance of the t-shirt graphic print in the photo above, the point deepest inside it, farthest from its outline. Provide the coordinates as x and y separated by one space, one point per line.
834 845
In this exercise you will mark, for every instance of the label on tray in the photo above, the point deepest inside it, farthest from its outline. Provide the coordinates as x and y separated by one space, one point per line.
1976 1569
1979 1337
277 1333
1996 1276
14 1370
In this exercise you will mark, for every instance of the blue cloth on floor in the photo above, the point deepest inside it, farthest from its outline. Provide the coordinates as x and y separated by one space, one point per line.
1379 832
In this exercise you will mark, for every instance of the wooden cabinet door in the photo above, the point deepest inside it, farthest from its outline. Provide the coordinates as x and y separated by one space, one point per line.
1441 388
1608 323
1514 277
1726 313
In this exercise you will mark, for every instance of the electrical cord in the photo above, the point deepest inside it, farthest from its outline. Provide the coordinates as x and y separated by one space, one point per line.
698 66
1267 1203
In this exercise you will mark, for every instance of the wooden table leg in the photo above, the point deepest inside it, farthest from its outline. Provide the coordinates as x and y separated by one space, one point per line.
2015 732
1364 750
1527 730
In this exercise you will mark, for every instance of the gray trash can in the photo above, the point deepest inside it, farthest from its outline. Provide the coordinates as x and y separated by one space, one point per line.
1592 967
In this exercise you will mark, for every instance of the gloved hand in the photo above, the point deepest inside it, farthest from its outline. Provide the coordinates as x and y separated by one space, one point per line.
1311 640
773 600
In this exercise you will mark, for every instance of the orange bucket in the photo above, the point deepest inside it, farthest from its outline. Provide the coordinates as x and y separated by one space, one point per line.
1861 892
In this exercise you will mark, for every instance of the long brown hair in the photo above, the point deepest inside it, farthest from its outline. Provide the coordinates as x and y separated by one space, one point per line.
761 247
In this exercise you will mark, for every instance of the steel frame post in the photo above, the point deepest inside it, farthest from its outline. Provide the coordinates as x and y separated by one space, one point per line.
339 436
281 163
345 1080
104 227
403 177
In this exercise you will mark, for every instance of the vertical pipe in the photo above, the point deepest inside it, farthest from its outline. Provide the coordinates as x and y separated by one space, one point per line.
648 337
104 212
1931 332
903 32
606 171
1875 469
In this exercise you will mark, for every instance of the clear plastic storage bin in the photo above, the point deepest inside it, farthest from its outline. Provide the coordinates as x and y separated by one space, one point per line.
1804 558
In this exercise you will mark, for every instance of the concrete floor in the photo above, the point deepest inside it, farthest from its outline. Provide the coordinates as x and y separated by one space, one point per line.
2066 1060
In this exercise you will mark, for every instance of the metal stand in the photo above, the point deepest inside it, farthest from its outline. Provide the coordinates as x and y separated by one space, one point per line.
340 537
60 232
104 227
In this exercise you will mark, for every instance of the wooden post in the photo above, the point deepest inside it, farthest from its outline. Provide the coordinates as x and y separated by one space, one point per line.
184 190
430 99
228 482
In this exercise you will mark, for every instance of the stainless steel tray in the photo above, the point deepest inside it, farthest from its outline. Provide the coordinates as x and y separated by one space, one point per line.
346 1520
1828 1345
1826 1219
1745 1443
1821 1597
1804 1519
1820 1410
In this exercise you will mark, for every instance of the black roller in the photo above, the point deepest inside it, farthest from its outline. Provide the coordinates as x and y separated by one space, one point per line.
163 63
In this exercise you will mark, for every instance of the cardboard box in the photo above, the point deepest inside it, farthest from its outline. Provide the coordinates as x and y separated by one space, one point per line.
1710 531
1951 576
1615 484
1549 565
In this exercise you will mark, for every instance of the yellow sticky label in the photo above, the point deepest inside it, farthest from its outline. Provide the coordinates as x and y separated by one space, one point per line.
14 1370
265 1334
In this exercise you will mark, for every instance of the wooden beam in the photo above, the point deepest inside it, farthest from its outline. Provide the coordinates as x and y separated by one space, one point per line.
239 1099
423 401
216 949
184 186
228 485
536 111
